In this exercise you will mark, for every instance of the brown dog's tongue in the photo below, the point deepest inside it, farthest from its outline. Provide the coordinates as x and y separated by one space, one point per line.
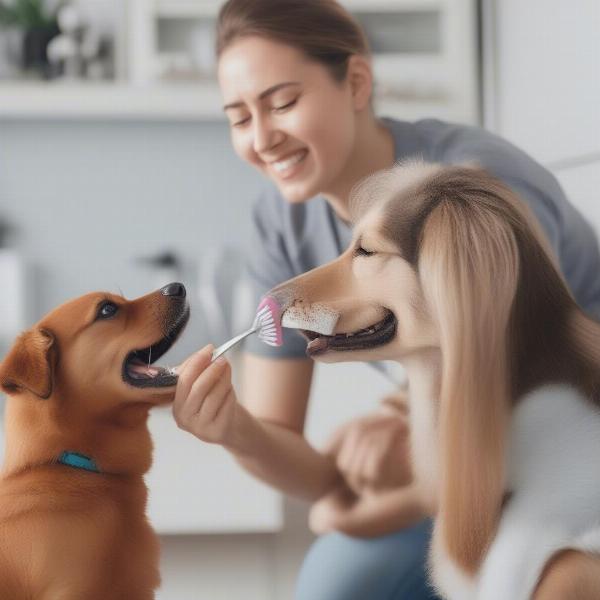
141 368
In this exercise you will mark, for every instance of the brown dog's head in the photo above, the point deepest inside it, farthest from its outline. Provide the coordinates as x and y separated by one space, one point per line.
97 351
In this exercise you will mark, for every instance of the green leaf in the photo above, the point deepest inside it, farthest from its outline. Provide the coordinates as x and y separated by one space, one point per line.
25 14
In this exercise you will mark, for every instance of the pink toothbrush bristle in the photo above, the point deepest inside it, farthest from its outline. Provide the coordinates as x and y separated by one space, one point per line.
268 319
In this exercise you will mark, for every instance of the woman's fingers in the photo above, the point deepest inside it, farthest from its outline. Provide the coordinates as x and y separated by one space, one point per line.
202 384
187 374
351 455
373 452
215 395
205 401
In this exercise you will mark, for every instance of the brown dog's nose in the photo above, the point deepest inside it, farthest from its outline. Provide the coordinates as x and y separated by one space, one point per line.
173 289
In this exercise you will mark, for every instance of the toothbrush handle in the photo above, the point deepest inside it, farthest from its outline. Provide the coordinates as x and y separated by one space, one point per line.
232 342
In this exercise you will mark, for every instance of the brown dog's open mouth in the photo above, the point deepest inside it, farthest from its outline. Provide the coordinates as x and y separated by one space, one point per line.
138 368
375 335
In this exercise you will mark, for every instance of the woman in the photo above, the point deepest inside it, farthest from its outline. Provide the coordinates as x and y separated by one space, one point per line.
297 85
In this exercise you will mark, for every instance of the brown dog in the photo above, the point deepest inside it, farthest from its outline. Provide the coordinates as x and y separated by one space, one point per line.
72 494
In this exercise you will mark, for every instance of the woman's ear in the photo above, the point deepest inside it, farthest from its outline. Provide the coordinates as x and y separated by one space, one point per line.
30 364
360 78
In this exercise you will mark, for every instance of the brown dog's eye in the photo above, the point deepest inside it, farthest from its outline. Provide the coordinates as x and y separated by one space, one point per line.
107 310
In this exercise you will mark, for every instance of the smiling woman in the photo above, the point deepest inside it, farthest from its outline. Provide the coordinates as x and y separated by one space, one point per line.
275 101
296 81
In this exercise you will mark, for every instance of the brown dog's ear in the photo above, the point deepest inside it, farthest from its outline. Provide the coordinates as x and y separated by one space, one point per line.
29 366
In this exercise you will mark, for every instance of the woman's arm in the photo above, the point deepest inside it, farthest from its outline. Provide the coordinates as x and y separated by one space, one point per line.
264 435
272 447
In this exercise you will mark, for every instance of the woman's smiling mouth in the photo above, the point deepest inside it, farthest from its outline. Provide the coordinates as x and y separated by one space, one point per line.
288 166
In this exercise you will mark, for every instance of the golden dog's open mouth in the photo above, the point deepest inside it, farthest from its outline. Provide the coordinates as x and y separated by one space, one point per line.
375 335
138 368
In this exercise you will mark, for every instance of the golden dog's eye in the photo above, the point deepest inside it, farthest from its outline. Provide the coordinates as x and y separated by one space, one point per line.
107 310
360 251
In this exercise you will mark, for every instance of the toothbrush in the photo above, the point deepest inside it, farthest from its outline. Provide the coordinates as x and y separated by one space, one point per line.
267 324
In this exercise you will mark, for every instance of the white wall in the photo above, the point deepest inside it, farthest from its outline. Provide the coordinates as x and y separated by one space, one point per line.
542 70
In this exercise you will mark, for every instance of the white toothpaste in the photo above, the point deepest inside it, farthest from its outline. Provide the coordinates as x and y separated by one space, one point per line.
313 317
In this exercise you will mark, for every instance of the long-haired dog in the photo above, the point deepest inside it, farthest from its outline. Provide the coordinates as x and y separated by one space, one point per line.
80 384
449 274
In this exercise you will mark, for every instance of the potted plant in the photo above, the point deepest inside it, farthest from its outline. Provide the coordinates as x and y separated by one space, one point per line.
38 25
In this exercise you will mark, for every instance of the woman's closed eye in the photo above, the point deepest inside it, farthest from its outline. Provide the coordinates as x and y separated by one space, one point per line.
240 121
284 107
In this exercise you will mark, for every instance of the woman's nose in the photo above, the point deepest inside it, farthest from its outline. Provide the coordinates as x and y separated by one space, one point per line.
265 136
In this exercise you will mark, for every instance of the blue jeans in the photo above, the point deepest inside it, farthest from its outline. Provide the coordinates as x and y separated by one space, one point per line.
391 567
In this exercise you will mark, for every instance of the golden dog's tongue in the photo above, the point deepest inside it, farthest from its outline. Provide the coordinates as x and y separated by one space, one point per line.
318 344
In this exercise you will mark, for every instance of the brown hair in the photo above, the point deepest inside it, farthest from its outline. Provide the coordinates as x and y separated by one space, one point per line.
322 29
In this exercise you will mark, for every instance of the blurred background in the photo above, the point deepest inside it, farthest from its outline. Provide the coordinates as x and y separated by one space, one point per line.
116 173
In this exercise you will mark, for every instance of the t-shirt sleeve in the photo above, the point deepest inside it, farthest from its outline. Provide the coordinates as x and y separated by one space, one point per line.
268 264
571 237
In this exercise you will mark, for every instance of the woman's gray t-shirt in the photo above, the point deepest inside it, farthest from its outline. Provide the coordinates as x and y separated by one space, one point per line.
290 239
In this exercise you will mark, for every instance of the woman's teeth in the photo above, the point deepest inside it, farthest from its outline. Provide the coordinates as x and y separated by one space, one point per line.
282 165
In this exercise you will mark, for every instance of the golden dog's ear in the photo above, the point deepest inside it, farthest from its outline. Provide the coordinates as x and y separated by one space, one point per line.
30 364
469 269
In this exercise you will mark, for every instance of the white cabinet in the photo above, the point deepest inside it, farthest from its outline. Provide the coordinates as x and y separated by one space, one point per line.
424 58
423 50
199 488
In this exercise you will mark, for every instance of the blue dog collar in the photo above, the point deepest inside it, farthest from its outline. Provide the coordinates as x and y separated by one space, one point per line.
78 461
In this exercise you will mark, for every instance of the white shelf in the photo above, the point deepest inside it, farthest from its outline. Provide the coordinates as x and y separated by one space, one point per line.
210 8
172 101
187 8
373 6
441 85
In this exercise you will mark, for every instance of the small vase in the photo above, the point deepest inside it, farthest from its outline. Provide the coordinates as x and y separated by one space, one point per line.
35 43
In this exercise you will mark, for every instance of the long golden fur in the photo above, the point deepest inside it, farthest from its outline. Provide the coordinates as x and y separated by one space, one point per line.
75 384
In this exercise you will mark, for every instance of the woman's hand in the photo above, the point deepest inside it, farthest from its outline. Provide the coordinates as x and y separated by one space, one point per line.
371 513
372 452
379 494
205 402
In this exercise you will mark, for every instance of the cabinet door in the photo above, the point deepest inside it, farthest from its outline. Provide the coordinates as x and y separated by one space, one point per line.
198 488
542 73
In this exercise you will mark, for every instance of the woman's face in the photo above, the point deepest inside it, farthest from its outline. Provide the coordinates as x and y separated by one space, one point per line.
289 118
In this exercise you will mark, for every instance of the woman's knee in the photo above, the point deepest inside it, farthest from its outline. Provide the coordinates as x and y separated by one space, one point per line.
392 567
